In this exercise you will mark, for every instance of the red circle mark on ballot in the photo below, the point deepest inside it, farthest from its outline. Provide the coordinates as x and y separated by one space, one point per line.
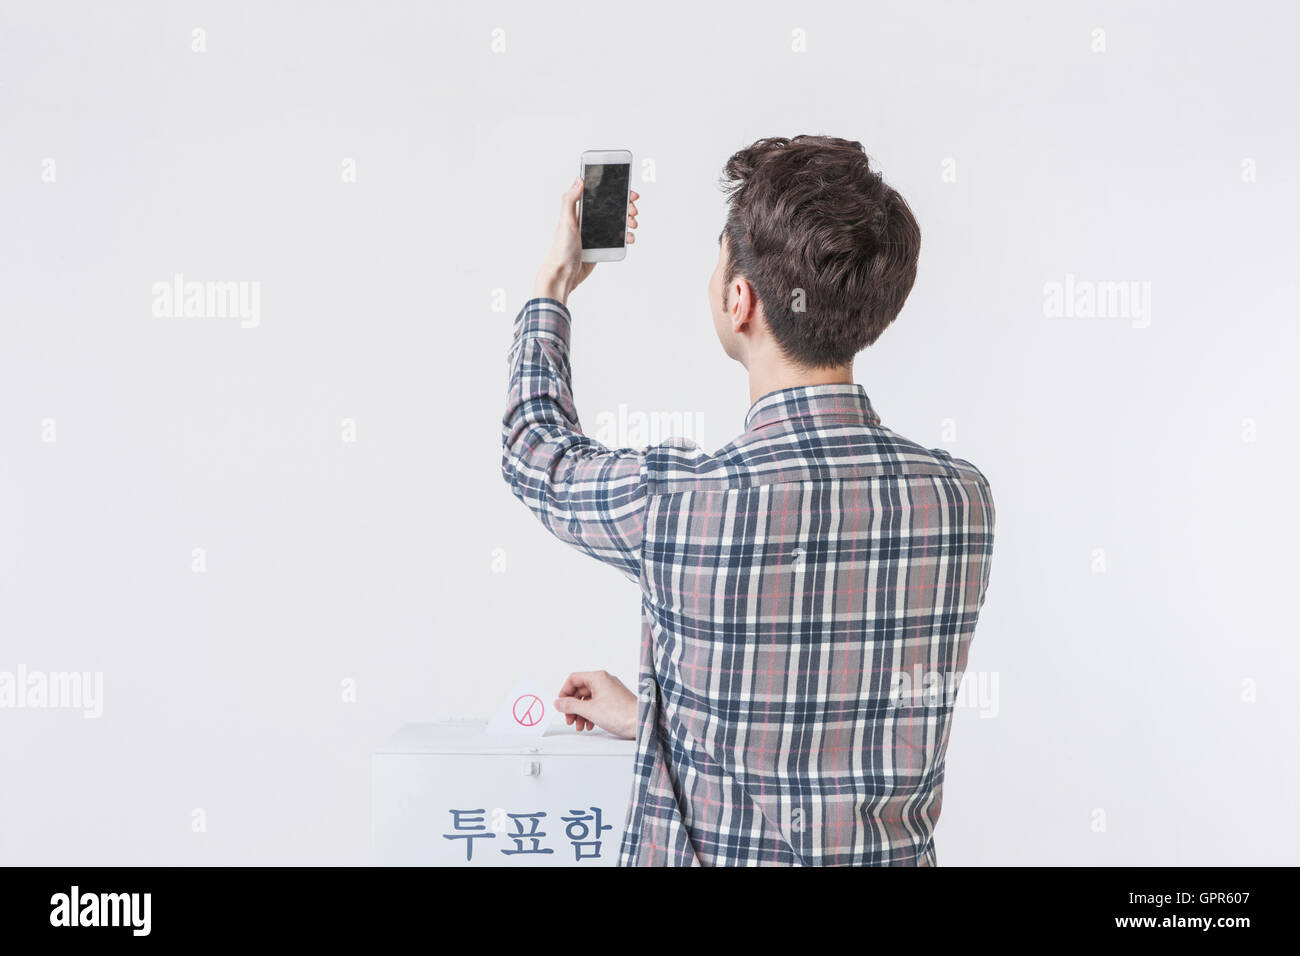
528 710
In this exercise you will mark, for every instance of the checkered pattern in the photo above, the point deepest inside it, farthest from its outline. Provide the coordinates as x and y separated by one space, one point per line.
809 593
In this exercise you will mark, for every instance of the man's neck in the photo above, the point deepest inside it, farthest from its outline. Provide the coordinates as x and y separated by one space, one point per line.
764 380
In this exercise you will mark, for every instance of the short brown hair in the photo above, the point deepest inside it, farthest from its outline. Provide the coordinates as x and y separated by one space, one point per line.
810 215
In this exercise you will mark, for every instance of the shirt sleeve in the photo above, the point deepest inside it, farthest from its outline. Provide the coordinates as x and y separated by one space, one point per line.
585 494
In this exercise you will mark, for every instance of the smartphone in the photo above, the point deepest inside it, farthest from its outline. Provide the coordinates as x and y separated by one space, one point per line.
602 213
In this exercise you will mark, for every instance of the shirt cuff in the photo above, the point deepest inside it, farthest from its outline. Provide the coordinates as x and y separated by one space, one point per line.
544 317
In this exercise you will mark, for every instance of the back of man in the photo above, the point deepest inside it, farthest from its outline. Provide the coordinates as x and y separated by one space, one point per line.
809 597
809 592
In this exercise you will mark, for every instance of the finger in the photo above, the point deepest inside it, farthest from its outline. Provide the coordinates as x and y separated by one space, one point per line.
581 709
581 678
634 194
569 201
578 692
631 209
574 683
578 680
632 220
631 239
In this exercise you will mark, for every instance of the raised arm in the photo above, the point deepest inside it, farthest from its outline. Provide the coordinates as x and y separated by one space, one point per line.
587 495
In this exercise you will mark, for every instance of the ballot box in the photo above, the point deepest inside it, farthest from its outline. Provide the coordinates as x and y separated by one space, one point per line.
449 794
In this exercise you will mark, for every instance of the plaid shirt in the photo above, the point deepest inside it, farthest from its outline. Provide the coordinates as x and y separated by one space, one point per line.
801 589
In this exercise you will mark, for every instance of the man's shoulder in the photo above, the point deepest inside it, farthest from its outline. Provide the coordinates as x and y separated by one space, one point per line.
914 451
676 460
876 452
941 462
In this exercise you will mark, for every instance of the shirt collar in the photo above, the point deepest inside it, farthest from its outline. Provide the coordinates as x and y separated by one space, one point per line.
847 403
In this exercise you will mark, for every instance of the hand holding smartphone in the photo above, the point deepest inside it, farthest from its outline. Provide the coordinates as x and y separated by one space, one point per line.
602 213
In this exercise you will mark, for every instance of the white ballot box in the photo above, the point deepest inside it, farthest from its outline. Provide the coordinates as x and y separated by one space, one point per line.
447 794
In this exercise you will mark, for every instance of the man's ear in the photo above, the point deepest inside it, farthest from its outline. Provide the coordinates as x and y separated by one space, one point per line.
744 305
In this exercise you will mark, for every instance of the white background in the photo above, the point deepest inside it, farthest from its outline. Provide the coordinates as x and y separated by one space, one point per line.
1120 693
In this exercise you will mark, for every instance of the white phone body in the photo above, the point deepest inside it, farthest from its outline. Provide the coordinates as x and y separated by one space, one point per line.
606 216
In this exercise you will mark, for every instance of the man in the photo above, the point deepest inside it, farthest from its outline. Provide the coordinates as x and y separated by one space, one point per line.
810 590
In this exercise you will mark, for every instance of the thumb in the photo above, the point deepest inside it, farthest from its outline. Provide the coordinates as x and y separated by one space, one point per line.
575 705
568 202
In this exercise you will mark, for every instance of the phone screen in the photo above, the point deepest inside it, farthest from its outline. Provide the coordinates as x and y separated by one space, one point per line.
604 205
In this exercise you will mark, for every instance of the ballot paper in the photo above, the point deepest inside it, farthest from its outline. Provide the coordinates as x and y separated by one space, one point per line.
525 712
